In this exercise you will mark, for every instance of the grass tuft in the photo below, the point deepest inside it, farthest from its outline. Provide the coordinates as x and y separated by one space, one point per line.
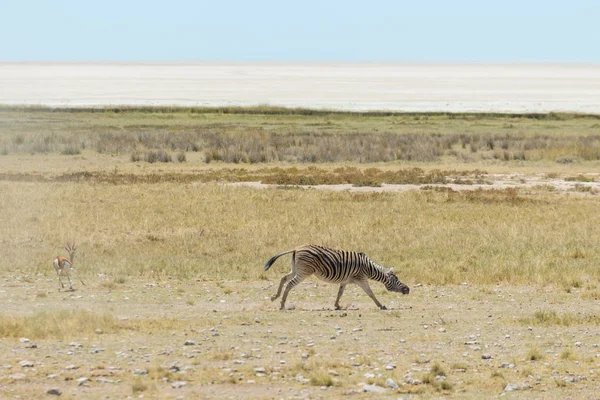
320 377
553 318
534 355
59 324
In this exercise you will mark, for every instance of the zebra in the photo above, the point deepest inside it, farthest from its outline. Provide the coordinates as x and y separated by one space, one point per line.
335 266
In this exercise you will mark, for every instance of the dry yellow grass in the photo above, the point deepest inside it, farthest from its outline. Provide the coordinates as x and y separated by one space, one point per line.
213 231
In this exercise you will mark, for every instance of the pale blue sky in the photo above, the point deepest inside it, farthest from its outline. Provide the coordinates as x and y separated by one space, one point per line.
307 30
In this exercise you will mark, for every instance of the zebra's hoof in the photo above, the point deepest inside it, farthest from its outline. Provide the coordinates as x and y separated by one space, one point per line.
338 307
273 298
383 308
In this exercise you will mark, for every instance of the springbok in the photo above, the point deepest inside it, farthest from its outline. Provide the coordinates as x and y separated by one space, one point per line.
64 266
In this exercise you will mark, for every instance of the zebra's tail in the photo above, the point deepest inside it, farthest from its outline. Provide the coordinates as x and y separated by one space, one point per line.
275 257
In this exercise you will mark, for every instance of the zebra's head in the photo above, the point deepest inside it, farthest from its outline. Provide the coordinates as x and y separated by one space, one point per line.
393 284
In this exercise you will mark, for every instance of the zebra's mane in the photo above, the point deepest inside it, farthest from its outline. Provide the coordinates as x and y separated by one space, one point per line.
377 268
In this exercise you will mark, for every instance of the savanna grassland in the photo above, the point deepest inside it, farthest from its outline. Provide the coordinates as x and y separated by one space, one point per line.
492 220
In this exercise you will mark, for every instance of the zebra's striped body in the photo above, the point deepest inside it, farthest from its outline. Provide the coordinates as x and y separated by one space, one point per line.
335 266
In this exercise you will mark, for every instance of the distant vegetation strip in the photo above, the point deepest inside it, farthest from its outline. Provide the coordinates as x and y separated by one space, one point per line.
281 176
275 110
222 136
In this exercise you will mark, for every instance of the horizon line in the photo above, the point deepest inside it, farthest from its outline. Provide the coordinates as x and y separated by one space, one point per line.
307 62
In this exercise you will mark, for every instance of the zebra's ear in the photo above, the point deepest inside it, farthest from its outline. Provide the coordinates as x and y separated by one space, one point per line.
391 271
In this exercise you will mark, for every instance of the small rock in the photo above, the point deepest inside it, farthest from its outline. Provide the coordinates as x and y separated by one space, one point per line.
104 380
82 381
24 340
390 383
486 356
412 381
71 367
26 364
442 330
31 346
140 372
178 384
260 370
300 378
369 375
423 360
333 373
18 377
390 367
578 344
75 344
189 343
511 387
238 362
52 376
98 331
374 389
507 365
96 350
54 392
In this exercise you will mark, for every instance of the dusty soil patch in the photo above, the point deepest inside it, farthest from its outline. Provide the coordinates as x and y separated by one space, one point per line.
582 184
227 340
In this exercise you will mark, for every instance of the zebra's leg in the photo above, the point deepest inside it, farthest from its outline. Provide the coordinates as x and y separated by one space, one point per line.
286 278
364 284
297 279
339 296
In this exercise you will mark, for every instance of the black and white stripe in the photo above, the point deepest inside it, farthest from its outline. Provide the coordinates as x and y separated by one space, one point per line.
335 266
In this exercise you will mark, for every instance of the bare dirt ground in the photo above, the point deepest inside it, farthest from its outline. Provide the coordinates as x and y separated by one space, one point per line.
492 181
228 340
